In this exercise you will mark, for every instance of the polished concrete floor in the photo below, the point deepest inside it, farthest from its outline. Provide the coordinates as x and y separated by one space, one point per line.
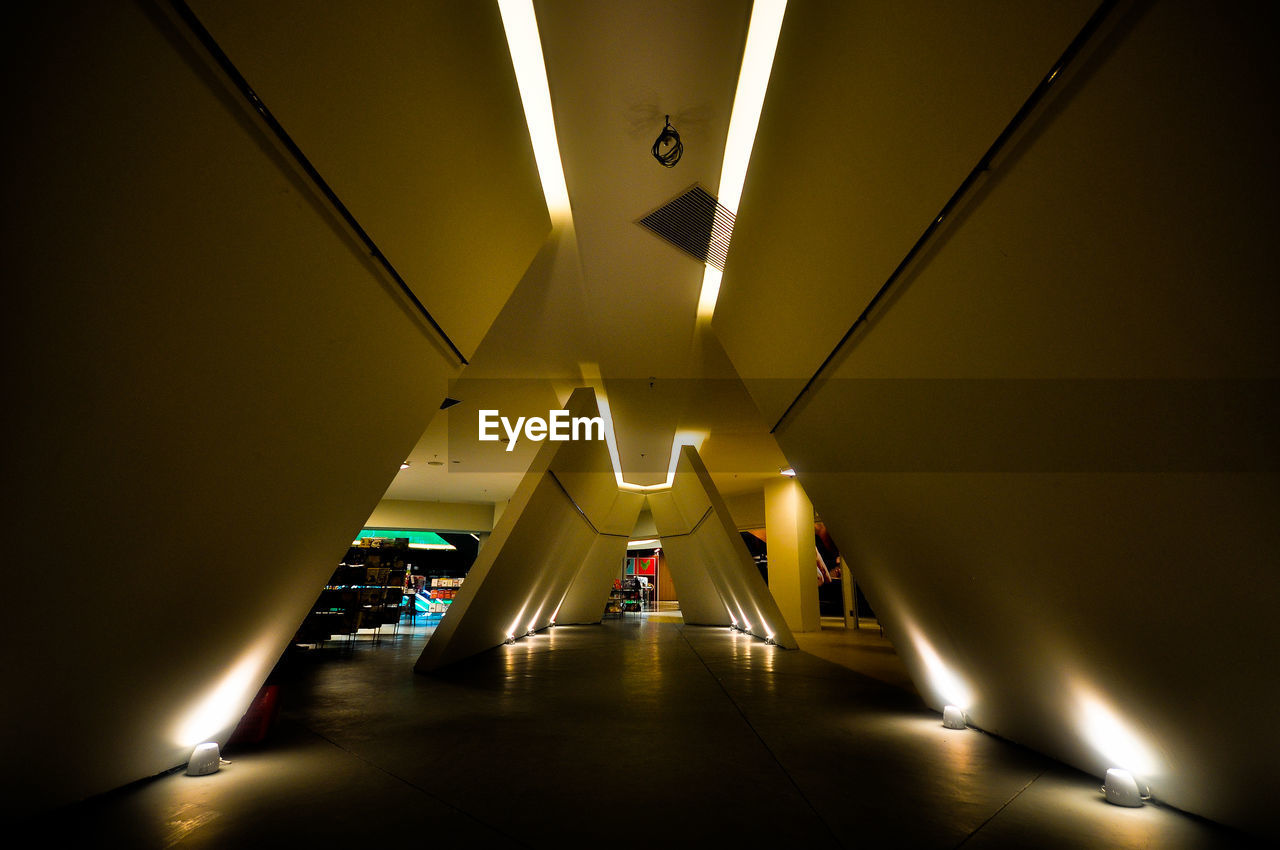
630 733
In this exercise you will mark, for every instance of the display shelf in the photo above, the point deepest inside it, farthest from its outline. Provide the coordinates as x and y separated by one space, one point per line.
631 602
613 605
366 591
440 594
626 597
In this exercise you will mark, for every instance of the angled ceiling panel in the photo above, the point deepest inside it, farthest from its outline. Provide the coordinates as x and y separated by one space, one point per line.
410 111
875 115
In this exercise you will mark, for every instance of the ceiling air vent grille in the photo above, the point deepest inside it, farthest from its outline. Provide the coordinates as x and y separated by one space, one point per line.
696 223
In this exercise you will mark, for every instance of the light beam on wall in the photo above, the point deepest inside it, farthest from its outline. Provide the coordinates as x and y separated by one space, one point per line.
748 100
1112 738
219 709
523 42
943 679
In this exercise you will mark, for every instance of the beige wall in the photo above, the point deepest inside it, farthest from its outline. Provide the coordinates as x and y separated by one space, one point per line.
644 526
431 516
747 509
1049 458
199 344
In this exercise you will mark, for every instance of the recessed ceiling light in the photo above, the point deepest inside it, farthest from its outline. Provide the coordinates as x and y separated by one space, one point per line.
435 463
405 464
788 471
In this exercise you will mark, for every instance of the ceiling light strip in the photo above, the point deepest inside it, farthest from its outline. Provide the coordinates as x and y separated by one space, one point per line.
753 81
525 46
748 101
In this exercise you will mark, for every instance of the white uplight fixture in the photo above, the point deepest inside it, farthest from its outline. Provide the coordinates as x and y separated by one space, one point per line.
1122 789
511 637
205 759
953 717
769 640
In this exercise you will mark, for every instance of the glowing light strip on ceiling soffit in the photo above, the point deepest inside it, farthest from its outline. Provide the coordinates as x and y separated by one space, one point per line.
525 45
592 377
521 26
748 100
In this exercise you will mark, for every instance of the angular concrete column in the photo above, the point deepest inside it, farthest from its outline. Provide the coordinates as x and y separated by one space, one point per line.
557 543
793 576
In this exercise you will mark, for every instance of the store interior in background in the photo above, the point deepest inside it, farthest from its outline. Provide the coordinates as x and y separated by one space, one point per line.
996 296
392 578
830 572
389 577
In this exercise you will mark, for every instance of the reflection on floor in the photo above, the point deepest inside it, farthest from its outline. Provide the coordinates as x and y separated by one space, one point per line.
634 732
865 650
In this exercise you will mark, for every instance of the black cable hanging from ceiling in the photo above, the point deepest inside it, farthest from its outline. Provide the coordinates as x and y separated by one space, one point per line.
667 148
